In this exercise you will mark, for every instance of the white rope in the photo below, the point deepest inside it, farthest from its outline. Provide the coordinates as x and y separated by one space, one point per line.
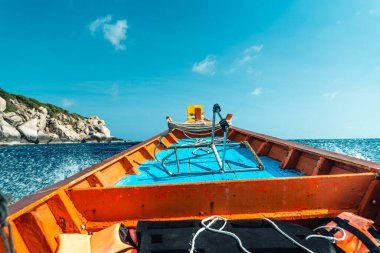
206 150
200 141
287 236
203 133
330 238
195 129
212 220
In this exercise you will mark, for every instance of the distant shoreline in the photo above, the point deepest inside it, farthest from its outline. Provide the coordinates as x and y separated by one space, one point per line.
5 144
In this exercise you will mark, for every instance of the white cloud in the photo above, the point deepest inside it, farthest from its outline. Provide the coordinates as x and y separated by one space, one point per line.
207 66
99 22
114 33
254 49
245 59
257 91
248 55
66 102
330 95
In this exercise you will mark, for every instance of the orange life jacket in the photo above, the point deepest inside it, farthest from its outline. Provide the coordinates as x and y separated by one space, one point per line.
114 239
360 233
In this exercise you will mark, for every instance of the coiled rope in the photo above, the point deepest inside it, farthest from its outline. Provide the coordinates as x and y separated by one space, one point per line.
194 128
212 219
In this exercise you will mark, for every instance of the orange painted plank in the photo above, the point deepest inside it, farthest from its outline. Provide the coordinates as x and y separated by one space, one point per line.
238 137
147 154
65 214
350 168
151 146
138 157
101 176
231 134
238 197
278 152
32 234
48 224
112 174
291 159
95 180
256 144
76 217
264 148
18 242
371 201
323 167
312 215
82 184
335 170
172 137
306 163
128 166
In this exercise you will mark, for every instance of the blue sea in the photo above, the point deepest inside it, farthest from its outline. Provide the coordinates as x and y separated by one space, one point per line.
366 149
28 169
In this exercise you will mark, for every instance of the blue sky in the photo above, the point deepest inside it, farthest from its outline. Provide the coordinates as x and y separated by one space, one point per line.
292 69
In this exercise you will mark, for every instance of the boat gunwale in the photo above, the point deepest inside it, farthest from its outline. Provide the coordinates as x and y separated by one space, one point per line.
237 181
315 151
166 196
29 202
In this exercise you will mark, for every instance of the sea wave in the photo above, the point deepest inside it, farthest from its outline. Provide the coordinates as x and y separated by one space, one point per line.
366 149
28 169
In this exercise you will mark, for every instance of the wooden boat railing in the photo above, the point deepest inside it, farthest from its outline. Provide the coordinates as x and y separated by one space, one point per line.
88 201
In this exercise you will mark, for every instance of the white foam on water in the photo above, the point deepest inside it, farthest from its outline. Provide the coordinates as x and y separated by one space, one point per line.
366 149
66 170
28 169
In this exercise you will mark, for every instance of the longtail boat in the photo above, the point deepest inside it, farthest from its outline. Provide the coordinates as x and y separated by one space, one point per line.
170 192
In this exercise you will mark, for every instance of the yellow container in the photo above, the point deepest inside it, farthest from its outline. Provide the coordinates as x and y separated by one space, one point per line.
191 112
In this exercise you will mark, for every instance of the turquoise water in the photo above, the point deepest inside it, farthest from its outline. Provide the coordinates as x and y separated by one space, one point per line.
152 172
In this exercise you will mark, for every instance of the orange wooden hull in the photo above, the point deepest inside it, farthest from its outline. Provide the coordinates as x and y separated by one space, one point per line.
88 201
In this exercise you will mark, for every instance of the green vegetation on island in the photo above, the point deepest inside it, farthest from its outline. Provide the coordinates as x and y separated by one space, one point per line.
33 103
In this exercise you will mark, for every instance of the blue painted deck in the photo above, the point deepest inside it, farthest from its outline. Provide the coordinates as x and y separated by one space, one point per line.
236 157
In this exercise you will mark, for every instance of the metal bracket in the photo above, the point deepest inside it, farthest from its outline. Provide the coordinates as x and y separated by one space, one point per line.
210 145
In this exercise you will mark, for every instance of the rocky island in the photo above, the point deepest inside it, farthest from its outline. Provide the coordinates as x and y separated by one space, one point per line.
25 120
